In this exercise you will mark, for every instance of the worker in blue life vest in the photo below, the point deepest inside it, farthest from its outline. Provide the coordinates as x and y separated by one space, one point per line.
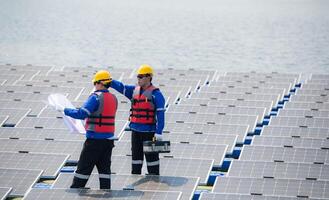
99 111
146 117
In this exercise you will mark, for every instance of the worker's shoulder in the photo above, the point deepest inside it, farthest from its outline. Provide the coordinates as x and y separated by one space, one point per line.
157 93
155 89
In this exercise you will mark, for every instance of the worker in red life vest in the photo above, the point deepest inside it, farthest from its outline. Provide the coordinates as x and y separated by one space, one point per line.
146 117
99 111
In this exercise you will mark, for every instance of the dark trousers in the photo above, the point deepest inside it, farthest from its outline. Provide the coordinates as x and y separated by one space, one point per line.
152 159
95 152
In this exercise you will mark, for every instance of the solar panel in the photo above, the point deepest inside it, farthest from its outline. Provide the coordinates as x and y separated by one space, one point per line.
184 90
184 75
51 78
3 119
184 167
308 98
229 103
243 90
82 74
35 106
316 86
290 142
222 129
4 192
14 115
36 133
49 163
10 96
73 148
53 83
321 133
169 81
262 75
236 96
25 74
19 180
250 120
320 76
171 96
285 154
186 185
189 72
223 196
260 112
63 194
274 187
28 67
93 69
266 79
198 151
307 105
312 92
181 150
318 81
12 79
72 91
213 86
44 122
303 113
300 121
208 139
278 170
88 87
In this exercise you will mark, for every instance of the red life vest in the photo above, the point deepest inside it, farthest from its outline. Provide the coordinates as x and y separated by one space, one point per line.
102 120
142 106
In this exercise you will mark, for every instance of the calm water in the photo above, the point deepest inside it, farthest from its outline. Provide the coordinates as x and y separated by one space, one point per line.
231 35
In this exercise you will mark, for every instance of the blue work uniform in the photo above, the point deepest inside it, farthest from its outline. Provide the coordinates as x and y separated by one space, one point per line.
97 149
144 132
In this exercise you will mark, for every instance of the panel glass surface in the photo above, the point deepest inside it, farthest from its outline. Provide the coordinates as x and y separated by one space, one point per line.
275 187
49 163
79 194
138 182
20 180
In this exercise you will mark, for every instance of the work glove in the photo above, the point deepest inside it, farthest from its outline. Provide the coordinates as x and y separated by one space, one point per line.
158 137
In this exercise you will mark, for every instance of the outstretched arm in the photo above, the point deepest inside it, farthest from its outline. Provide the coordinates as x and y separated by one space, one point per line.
126 90
90 106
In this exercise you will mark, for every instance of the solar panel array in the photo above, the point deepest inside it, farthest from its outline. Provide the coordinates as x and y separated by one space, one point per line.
22 179
289 157
216 122
4 192
34 138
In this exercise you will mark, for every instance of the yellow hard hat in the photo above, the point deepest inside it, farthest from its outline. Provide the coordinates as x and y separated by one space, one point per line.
145 69
103 76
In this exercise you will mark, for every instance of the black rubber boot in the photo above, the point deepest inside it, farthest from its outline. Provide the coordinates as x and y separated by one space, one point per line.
79 183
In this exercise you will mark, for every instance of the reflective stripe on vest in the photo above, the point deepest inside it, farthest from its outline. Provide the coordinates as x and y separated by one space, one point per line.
102 120
142 106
